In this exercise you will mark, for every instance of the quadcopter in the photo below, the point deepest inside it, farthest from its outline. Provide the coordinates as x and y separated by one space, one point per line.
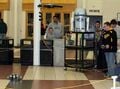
50 6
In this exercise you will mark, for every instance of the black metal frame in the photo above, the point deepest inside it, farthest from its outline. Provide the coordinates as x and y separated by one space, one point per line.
79 60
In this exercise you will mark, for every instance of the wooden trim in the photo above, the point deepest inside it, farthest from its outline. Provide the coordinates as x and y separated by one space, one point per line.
60 1
52 1
27 7
4 4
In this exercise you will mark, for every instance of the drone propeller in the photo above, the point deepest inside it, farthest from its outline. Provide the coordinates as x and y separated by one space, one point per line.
50 6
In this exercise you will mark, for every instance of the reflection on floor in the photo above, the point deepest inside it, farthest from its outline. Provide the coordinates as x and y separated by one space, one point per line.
70 54
36 77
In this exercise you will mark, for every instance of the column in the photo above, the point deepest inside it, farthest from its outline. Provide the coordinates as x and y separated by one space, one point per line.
15 22
36 33
19 21
15 15
11 20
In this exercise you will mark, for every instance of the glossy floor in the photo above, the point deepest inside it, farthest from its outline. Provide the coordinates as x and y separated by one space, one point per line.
36 77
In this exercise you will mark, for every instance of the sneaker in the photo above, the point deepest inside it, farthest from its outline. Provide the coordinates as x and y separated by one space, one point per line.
107 76
118 79
95 67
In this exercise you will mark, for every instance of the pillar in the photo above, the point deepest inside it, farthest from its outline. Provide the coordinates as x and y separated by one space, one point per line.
36 33
15 21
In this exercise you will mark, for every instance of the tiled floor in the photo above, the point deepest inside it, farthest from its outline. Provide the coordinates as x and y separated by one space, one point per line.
36 77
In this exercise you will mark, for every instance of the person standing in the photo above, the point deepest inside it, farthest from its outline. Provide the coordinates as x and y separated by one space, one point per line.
98 30
99 54
113 23
116 26
55 29
3 30
110 48
55 32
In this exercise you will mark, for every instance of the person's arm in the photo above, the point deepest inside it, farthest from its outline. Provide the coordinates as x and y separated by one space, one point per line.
6 29
48 31
62 31
114 42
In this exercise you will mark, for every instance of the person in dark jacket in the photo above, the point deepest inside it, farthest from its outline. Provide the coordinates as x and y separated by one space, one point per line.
99 53
42 31
101 60
110 47
3 30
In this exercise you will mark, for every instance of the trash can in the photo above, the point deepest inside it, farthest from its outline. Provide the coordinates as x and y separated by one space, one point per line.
6 51
46 53
26 52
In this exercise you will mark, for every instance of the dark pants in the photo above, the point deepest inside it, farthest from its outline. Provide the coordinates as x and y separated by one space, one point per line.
101 61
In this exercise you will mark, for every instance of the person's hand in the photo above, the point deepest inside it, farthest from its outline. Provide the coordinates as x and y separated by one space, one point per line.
102 46
107 46
50 30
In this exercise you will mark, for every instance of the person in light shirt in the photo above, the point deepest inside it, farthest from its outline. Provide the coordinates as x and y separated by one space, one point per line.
55 29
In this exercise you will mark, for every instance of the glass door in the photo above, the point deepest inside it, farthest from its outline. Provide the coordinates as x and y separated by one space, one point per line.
29 28
67 22
59 16
48 19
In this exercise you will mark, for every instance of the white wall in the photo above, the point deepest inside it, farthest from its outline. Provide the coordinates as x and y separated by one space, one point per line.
10 22
109 8
23 25
79 3
21 22
94 5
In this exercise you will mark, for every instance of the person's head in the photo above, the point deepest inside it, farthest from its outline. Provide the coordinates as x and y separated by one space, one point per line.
107 26
113 23
97 24
55 19
1 20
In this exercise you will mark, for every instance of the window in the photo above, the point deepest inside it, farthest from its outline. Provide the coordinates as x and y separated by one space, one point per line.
66 19
67 22
47 18
58 15
29 32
